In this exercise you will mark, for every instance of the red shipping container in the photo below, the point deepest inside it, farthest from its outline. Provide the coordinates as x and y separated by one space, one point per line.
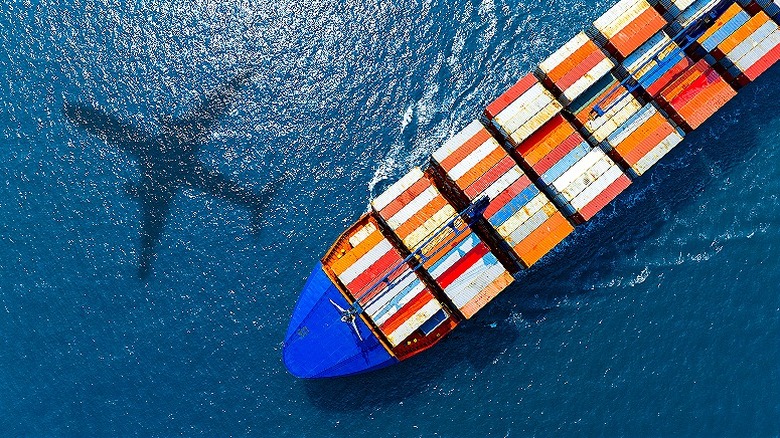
763 64
489 177
605 197
510 96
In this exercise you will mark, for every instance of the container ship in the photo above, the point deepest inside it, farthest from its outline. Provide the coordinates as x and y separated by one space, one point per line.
546 156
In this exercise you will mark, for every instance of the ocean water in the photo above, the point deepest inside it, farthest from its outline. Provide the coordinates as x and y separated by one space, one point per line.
142 294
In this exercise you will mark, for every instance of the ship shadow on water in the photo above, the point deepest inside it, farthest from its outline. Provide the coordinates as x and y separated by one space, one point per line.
169 161
588 257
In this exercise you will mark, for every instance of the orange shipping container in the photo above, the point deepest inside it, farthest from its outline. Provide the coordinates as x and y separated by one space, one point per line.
743 33
638 32
653 139
575 59
543 239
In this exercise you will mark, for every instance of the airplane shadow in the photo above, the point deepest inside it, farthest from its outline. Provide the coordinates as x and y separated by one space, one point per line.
169 161
639 214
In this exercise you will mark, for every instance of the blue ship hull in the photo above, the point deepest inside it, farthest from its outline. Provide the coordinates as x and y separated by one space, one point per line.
318 344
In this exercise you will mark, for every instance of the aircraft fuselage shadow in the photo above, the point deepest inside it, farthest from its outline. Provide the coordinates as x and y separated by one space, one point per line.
169 161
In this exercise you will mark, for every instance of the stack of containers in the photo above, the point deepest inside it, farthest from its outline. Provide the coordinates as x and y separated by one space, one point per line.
613 98
360 260
574 68
627 25
643 140
656 64
682 13
520 111
459 262
580 180
726 24
695 95
771 7
476 166
748 51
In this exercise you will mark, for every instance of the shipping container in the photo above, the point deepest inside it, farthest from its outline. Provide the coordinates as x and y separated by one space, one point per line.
520 111
604 108
748 47
656 63
770 7
522 216
643 140
442 241
683 13
376 275
568 171
465 269
626 26
587 184
695 95
437 245
574 68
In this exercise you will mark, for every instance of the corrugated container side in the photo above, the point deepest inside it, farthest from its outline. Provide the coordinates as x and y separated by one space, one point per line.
510 95
635 33
486 295
597 186
763 64
740 35
731 20
542 240
574 68
696 95
651 158
359 260
609 194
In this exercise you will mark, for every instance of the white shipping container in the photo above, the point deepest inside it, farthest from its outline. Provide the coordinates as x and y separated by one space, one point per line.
578 169
362 234
687 18
528 227
759 51
473 159
752 41
613 13
645 163
397 189
587 80
623 20
365 262
524 113
523 108
412 208
502 183
438 219
682 4
457 141
523 214
564 52
522 103
526 130
597 187
602 126
413 323
586 179
472 282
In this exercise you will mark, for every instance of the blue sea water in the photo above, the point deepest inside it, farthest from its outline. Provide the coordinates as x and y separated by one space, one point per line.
659 318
